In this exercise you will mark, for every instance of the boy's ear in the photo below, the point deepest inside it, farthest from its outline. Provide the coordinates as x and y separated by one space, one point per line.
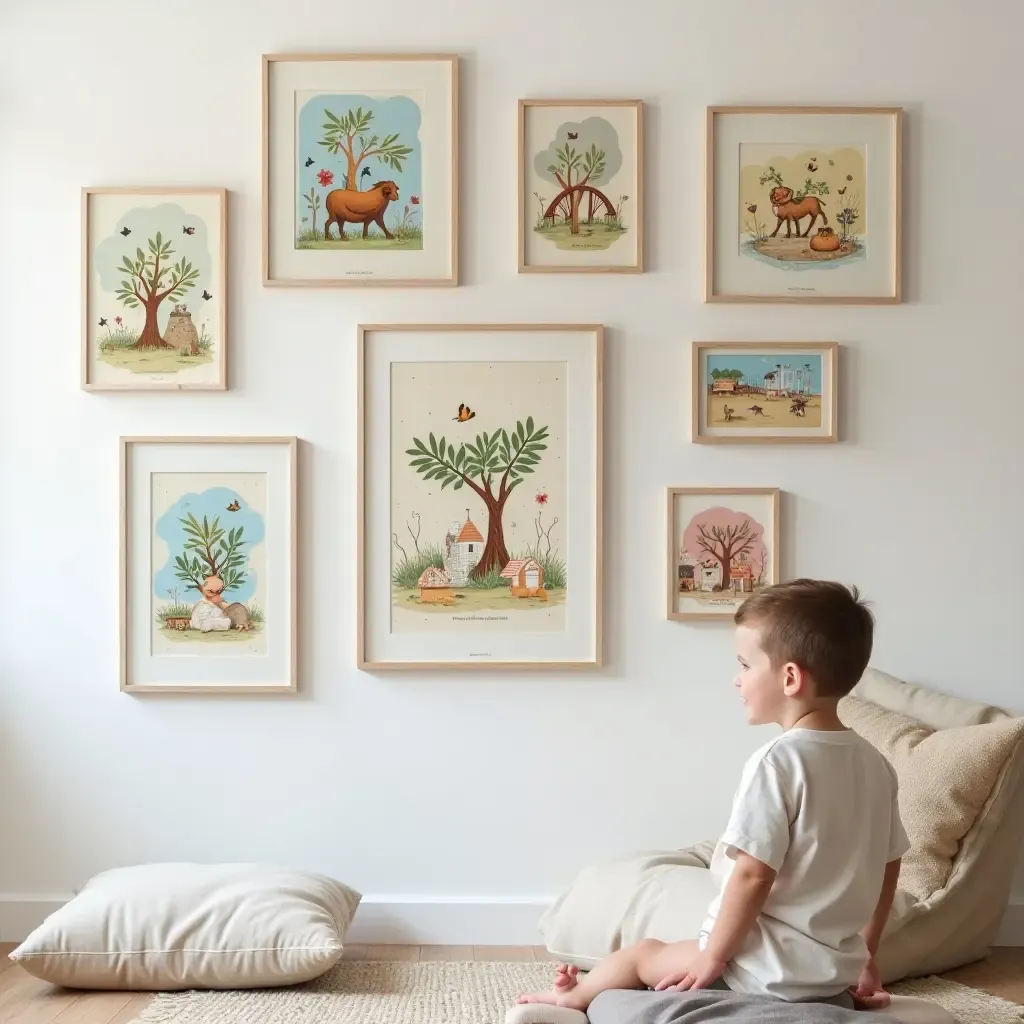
794 679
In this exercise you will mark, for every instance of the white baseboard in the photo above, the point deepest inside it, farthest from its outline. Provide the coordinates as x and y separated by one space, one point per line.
422 920
416 920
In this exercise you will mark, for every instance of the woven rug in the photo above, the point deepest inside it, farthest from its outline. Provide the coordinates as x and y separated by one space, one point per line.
370 992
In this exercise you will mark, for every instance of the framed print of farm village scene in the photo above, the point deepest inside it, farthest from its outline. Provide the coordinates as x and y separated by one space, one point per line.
480 520
764 392
580 186
360 169
803 204
208 564
723 546
154 289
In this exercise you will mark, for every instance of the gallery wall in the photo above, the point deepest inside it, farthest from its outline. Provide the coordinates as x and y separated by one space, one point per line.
460 804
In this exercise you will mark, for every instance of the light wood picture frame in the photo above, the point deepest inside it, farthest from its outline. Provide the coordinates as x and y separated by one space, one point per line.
390 121
162 333
581 186
803 204
480 454
764 392
723 545
208 565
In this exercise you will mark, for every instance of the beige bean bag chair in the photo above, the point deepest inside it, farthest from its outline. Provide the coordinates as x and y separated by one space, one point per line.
961 771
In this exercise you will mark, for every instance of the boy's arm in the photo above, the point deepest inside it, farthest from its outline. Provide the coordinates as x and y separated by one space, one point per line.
744 897
872 932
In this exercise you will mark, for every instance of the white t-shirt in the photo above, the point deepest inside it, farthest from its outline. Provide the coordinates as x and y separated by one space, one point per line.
820 808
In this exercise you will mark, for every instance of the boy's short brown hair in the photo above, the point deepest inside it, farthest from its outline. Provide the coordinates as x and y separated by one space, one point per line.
821 626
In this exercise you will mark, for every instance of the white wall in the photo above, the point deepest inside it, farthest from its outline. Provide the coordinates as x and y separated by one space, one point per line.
492 786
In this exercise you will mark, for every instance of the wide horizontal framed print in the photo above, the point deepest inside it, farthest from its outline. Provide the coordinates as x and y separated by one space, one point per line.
803 204
723 546
154 289
479 518
764 392
208 564
360 169
581 185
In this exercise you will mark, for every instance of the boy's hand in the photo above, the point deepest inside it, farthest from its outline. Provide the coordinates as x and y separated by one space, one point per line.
868 993
700 972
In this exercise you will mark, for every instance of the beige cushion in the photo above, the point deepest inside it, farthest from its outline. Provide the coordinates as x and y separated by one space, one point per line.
961 771
182 926
945 777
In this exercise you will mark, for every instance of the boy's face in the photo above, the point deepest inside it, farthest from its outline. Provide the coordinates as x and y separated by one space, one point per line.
761 687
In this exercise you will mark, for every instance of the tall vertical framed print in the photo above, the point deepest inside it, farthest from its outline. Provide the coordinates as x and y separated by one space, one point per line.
154 289
208 564
803 204
480 451
360 169
723 546
581 186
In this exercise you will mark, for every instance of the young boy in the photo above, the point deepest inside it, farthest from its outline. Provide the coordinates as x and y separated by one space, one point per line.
809 859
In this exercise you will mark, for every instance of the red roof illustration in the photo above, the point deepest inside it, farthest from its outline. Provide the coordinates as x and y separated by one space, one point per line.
513 568
469 533
434 577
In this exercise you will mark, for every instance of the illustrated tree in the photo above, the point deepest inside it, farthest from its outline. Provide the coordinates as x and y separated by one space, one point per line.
726 374
352 138
499 458
725 535
313 202
212 554
577 171
147 284
816 187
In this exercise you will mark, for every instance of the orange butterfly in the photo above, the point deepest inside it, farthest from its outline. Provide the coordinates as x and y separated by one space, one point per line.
465 413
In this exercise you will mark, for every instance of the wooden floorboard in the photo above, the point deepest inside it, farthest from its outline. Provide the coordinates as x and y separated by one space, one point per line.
26 1000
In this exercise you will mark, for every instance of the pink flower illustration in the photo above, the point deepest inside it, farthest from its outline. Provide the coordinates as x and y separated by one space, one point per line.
325 177
415 200
118 321
542 498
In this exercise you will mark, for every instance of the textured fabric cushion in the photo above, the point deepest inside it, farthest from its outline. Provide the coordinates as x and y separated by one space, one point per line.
193 926
617 903
945 778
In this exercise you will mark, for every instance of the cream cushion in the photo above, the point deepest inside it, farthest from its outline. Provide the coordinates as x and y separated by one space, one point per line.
961 772
193 926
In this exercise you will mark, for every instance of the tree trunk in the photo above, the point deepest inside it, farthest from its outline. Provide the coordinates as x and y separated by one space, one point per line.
590 207
495 554
150 336
575 199
353 173
726 573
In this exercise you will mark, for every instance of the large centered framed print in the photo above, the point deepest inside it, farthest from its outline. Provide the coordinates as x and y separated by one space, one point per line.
803 204
360 169
208 564
480 453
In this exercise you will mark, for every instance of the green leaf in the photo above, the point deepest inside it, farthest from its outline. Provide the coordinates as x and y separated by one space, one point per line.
451 453
520 433
419 444
433 444
529 426
447 480
461 457
440 447
525 469
459 484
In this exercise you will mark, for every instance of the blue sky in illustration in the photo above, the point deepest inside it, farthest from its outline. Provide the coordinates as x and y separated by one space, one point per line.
144 221
754 367
212 503
399 114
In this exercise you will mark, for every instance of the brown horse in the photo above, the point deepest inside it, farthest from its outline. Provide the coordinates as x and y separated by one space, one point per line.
791 212
366 208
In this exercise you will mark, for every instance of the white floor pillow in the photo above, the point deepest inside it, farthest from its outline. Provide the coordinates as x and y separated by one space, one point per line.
193 926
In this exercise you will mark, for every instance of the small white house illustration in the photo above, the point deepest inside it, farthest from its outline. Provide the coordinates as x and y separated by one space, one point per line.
710 576
435 586
527 576
463 548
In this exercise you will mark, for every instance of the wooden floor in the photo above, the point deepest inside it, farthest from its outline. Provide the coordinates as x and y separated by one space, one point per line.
25 1000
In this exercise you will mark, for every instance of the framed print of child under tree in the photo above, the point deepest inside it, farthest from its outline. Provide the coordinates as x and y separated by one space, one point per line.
479 514
360 169
208 564
154 289
723 546
803 204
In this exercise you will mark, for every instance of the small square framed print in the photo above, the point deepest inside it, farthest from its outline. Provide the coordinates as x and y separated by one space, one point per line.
764 392
803 204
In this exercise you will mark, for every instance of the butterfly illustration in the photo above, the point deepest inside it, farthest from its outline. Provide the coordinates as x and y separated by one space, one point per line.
103 321
234 506
207 295
812 166
465 413
309 161
187 231
843 189
126 232
573 135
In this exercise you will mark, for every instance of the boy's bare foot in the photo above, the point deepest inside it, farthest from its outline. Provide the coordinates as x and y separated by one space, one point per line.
565 981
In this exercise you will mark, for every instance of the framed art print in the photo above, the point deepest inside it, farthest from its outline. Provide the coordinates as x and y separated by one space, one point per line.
360 169
764 392
154 289
480 451
723 546
580 186
208 564
803 204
